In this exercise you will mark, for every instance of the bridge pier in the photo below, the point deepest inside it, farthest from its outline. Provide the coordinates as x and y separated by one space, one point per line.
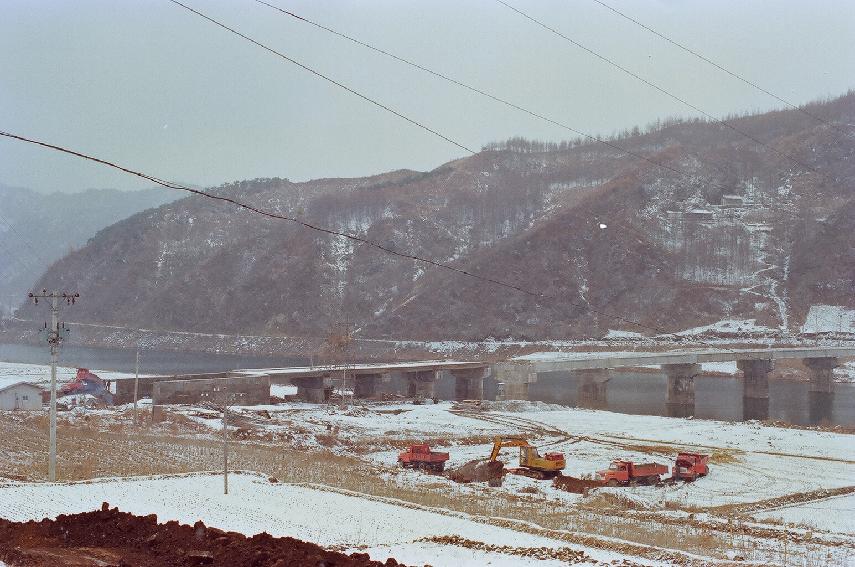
311 389
755 388
469 383
513 380
421 384
592 388
681 389
821 391
365 385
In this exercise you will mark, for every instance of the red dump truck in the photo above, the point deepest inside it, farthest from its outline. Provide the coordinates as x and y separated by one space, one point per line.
421 457
627 472
690 466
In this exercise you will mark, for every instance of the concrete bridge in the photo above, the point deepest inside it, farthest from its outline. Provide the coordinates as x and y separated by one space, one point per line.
592 368
681 367
314 383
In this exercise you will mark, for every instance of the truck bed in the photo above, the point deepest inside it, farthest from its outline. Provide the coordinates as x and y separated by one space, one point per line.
648 469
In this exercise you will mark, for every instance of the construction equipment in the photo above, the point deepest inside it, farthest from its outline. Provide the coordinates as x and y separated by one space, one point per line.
627 472
690 466
86 382
532 464
421 457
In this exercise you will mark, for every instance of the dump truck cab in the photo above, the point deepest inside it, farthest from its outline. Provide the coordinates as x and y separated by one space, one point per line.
690 466
617 473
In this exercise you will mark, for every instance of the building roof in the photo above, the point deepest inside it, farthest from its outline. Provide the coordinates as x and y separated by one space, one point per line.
16 384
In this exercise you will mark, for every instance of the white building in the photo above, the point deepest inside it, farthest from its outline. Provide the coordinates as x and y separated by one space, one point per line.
21 396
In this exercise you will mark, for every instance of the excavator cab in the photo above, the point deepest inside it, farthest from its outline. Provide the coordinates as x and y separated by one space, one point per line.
531 462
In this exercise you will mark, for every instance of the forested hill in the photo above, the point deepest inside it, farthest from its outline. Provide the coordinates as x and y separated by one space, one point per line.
723 228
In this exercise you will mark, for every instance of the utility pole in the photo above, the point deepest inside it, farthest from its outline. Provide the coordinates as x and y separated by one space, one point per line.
55 337
222 400
136 384
225 448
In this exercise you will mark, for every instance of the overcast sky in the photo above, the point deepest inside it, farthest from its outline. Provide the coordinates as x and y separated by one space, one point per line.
156 88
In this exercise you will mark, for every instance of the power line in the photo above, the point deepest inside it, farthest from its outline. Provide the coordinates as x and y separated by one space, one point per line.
471 88
718 66
325 77
386 249
688 176
653 85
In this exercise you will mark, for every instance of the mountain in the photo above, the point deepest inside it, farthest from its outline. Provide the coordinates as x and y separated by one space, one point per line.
723 228
36 229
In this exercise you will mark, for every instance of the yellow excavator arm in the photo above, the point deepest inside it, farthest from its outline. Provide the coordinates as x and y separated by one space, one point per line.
510 441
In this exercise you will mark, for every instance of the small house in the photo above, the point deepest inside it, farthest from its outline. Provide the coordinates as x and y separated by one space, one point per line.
21 396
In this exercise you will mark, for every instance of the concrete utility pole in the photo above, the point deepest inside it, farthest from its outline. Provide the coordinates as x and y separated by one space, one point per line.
225 449
136 384
222 400
55 337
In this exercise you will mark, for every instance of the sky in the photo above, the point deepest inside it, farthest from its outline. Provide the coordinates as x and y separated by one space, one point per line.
153 87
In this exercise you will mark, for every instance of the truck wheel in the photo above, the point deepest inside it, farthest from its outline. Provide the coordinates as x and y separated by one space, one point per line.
612 482
652 479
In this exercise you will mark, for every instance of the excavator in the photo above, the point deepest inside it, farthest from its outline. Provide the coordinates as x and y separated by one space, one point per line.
532 464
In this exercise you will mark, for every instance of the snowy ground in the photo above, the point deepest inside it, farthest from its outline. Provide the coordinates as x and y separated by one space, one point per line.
729 326
751 465
282 390
845 372
832 514
332 519
750 462
829 319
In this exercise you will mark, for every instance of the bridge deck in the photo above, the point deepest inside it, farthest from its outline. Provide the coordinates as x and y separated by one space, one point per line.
360 369
557 361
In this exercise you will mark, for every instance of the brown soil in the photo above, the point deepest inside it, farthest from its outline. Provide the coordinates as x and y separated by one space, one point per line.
573 484
110 538
478 470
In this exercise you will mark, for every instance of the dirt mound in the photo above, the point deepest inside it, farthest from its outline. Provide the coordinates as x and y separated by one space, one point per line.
110 538
573 484
478 470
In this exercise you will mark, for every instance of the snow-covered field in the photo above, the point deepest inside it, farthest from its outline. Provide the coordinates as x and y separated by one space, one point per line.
751 466
332 519
749 462
832 514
